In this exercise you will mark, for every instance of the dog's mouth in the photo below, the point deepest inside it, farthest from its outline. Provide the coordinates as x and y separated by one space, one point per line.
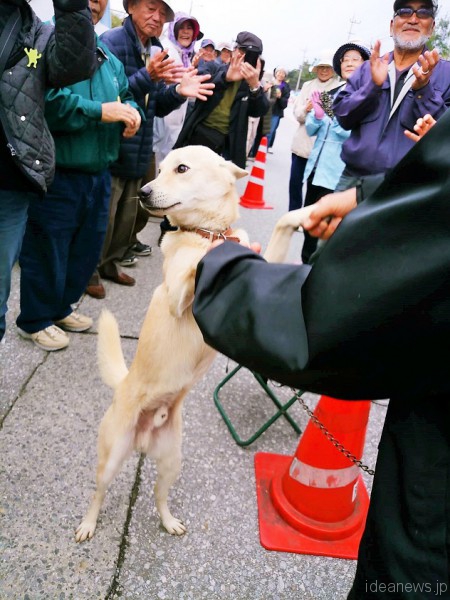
154 209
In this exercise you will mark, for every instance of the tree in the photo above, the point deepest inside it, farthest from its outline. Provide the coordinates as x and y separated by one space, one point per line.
297 77
116 19
440 37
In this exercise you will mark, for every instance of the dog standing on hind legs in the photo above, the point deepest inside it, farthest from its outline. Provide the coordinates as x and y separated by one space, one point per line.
196 189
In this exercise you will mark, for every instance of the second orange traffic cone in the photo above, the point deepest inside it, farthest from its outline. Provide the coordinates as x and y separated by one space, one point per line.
316 502
253 195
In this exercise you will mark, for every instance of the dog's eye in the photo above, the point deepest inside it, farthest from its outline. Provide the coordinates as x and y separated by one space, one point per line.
182 169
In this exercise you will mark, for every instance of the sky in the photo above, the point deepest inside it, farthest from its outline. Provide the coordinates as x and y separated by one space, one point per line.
292 30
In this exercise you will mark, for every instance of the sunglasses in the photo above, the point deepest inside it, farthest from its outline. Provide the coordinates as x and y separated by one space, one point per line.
422 13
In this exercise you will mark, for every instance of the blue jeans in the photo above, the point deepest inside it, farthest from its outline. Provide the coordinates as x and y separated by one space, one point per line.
274 122
13 219
61 247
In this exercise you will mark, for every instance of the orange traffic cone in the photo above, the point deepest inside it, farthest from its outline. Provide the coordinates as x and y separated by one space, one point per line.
253 195
316 502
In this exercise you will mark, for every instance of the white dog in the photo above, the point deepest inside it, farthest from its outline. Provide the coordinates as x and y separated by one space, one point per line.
196 189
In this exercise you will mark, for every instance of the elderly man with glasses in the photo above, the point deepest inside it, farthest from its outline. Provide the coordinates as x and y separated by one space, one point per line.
390 92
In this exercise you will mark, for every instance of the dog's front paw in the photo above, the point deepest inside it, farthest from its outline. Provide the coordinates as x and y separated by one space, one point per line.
85 531
293 219
174 526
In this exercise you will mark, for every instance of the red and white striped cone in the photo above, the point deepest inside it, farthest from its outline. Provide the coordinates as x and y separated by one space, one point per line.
253 195
316 502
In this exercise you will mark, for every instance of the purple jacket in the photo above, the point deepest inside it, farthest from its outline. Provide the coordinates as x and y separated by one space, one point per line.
376 143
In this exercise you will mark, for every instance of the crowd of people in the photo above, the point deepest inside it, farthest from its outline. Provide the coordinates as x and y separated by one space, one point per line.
70 212
104 111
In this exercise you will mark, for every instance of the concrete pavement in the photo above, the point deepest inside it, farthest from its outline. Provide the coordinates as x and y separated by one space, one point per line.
50 408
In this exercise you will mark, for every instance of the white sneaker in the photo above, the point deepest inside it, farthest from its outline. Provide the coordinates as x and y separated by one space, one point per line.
75 322
51 338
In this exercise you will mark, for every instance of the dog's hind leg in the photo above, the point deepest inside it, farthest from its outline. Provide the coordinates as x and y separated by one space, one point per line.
110 462
168 467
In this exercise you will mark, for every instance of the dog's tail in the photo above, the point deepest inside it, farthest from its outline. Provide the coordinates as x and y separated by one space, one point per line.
113 369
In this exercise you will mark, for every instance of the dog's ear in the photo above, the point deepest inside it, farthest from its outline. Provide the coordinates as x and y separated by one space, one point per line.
236 171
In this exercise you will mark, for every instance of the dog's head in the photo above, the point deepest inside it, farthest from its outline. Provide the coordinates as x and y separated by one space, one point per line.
195 187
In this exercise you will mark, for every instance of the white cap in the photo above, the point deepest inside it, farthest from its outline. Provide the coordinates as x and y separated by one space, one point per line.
226 46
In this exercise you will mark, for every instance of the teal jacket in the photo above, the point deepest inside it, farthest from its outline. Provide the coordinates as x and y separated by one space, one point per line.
74 114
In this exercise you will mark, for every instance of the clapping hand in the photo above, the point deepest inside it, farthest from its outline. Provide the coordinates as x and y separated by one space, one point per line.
317 105
379 64
162 68
195 86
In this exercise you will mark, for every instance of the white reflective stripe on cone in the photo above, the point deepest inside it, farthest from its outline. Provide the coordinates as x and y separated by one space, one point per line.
258 164
256 180
322 478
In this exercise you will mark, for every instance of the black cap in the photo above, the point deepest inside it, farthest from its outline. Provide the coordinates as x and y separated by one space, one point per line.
429 4
365 53
249 41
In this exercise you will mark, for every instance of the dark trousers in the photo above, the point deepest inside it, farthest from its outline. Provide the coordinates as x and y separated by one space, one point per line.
313 193
13 219
61 246
298 165
404 552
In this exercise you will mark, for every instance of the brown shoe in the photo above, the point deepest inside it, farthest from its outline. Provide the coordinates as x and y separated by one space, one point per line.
96 291
121 279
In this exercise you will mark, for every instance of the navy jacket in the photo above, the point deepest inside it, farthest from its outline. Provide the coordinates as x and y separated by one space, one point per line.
377 141
136 152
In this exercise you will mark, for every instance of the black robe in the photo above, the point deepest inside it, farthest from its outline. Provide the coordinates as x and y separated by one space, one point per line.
371 318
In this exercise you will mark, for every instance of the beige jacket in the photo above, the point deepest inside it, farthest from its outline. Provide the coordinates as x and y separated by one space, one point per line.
302 143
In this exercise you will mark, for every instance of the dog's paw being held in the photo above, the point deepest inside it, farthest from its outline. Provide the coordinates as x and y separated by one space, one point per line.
84 531
174 526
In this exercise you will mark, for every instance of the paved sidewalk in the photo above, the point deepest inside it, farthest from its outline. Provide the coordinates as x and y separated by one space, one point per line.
50 408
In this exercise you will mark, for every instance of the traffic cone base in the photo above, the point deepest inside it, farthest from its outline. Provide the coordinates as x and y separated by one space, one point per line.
284 529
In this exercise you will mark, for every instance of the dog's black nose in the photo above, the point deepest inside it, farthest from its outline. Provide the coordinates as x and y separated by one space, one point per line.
145 192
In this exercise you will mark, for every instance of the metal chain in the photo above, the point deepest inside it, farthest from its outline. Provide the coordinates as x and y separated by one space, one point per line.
331 437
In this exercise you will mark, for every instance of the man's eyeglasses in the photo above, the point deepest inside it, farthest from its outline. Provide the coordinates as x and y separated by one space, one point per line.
407 12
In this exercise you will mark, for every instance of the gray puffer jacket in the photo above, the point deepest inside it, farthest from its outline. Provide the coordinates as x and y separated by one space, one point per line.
65 55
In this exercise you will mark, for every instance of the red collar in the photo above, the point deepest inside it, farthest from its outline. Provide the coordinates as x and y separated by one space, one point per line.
213 235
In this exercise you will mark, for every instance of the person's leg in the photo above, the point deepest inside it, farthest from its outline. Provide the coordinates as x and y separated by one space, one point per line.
298 164
122 215
141 214
253 123
52 222
404 552
313 193
87 241
275 121
13 220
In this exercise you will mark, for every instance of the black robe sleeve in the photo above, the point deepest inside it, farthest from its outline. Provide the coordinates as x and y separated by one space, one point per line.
371 318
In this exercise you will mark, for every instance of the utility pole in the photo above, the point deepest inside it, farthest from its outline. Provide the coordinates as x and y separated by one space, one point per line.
300 70
353 21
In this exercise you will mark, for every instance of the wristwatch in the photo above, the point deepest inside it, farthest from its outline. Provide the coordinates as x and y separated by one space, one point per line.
254 90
